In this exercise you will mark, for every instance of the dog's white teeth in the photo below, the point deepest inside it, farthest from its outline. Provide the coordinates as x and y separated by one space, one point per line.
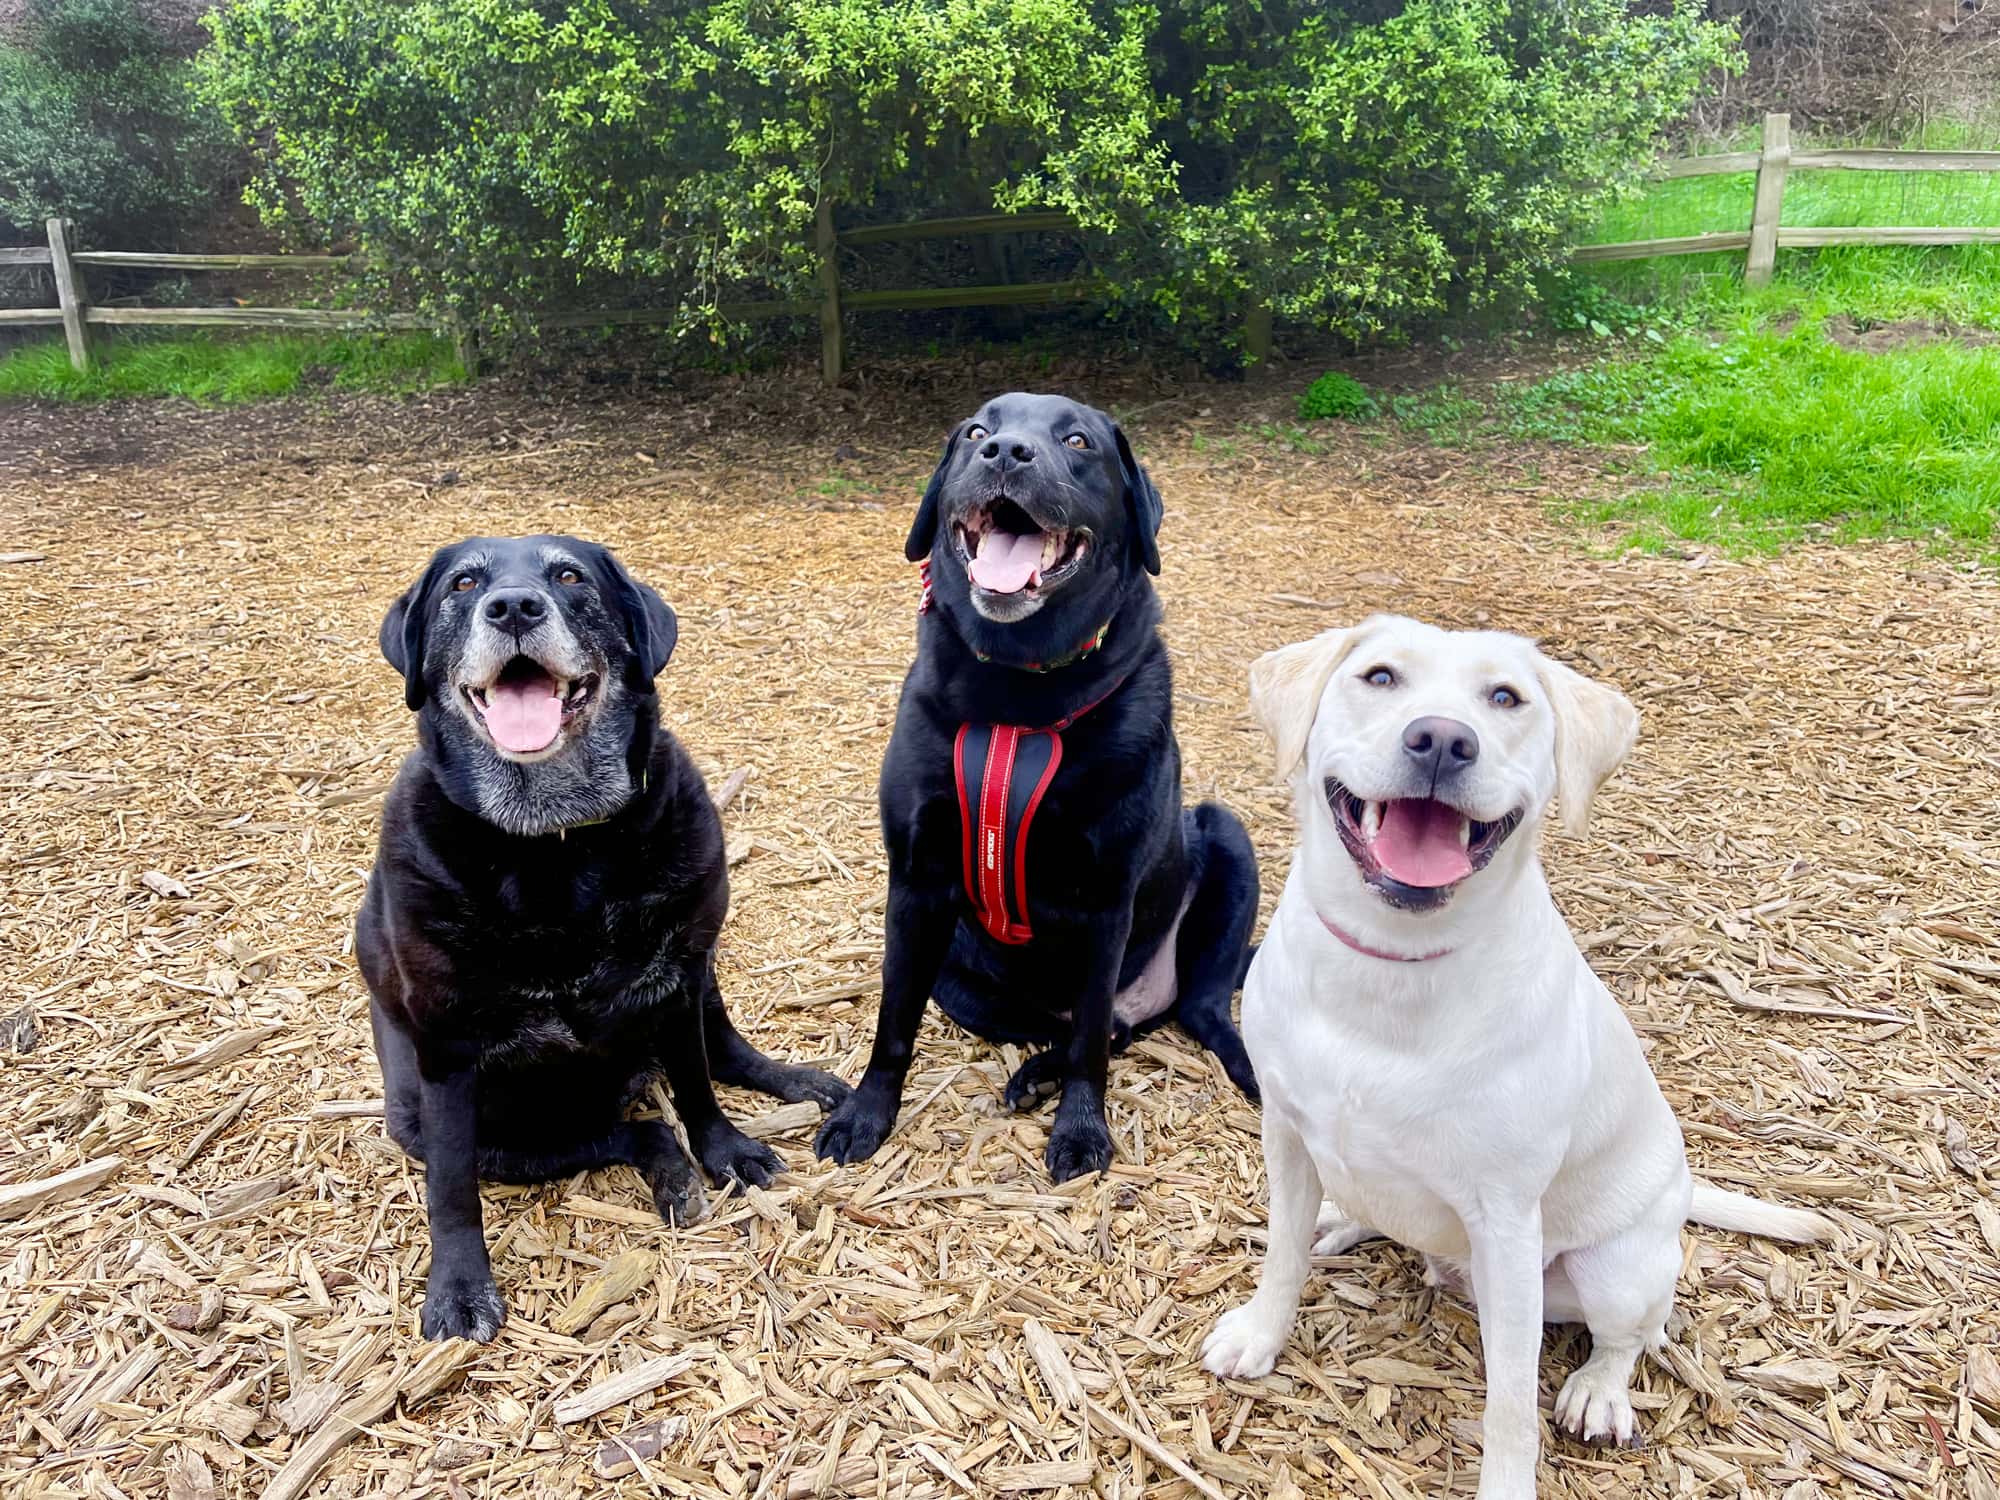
1051 549
1465 833
1371 820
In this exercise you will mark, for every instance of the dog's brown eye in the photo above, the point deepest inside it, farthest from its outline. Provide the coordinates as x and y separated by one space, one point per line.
569 576
1077 440
1505 697
463 582
975 433
1379 677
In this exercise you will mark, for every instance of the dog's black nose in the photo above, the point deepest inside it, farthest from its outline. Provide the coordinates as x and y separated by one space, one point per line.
1006 451
1440 746
518 610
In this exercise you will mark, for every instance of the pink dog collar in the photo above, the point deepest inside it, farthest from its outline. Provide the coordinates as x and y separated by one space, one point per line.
1395 958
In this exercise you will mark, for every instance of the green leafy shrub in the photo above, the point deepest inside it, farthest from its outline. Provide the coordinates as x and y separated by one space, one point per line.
1336 395
98 124
1355 164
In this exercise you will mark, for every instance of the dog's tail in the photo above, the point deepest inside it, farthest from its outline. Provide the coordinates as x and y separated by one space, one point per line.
1720 1209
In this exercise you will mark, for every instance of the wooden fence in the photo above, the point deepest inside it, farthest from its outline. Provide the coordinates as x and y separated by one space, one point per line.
78 315
1765 236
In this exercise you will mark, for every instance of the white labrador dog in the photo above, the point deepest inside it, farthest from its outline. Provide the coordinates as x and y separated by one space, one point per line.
1435 1055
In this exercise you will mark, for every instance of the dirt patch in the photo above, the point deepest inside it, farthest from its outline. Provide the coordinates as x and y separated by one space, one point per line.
1791 887
1880 338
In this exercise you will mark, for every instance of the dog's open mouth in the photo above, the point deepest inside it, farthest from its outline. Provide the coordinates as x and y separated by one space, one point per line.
1006 551
1414 850
526 707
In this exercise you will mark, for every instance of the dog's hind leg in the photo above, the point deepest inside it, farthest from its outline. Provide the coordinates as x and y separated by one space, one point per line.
1336 1234
731 1059
646 1144
1622 1290
402 1109
1209 952
725 1152
1040 1078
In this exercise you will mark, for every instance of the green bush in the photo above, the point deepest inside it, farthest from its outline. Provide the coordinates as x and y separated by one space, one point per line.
98 124
1359 164
1336 395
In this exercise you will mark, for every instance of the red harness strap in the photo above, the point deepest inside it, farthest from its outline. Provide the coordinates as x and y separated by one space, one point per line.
1003 771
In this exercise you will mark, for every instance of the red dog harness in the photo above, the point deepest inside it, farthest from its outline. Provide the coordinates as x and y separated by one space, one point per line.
1003 771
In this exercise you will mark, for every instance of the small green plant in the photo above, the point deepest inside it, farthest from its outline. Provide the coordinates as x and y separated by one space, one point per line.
1336 395
1445 415
1291 437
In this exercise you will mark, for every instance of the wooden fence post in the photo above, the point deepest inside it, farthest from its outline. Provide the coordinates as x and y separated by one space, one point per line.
465 344
1257 333
826 242
71 295
1772 164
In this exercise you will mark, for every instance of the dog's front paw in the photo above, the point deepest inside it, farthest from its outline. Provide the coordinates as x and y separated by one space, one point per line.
728 1155
856 1128
1080 1143
1245 1343
1595 1407
462 1304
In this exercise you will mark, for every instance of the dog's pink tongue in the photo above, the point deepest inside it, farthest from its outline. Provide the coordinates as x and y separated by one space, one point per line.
1418 843
1006 563
524 716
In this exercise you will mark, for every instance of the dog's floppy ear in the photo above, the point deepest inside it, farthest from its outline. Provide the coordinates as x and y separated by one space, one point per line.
1595 728
924 532
1285 689
649 622
1143 501
402 634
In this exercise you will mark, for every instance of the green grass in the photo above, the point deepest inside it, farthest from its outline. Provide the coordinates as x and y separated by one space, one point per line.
1767 435
224 369
1754 428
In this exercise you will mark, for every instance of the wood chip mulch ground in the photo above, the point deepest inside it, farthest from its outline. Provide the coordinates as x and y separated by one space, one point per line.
211 1259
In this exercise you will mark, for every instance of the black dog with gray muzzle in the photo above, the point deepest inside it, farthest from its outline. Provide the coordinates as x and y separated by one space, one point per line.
539 931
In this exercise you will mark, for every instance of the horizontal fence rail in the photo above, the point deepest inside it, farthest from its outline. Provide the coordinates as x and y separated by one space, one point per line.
1773 162
1765 235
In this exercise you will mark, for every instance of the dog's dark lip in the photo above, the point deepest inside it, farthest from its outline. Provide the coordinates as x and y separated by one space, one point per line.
1349 812
974 521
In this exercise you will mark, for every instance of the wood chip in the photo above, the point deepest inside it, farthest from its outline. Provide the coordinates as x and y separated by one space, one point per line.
1058 1375
19 1199
1013 1479
214 1054
621 1277
621 1455
1794 1377
625 1386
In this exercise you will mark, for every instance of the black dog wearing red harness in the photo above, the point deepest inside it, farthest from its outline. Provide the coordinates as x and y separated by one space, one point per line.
1044 882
